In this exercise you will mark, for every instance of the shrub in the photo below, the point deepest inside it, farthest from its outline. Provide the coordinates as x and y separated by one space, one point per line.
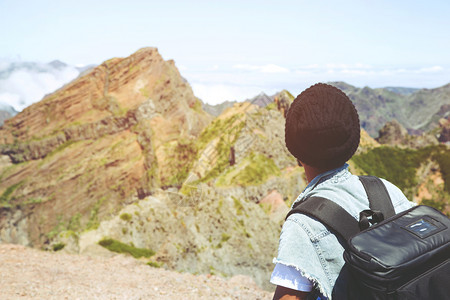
126 217
225 237
58 246
154 264
442 156
238 206
436 204
119 247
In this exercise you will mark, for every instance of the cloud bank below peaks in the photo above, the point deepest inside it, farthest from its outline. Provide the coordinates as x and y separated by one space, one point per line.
23 83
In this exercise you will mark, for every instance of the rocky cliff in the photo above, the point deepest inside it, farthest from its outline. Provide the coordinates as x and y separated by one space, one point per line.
226 217
444 135
87 148
394 134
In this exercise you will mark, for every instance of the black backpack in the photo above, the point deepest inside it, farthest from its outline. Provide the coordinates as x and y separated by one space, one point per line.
402 256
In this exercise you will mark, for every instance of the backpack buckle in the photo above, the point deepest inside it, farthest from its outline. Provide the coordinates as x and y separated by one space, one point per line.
369 217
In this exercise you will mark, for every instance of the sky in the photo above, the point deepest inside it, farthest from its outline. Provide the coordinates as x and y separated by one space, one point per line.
233 50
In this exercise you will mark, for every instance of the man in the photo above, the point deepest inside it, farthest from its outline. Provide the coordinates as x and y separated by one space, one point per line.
322 132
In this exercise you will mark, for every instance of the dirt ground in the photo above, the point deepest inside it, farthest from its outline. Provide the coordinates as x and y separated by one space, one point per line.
27 273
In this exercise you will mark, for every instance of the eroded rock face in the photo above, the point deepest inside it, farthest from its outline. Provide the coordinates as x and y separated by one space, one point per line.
14 227
393 134
85 149
219 234
444 136
283 101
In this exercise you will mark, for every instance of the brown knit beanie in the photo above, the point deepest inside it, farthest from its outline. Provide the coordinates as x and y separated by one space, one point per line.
322 127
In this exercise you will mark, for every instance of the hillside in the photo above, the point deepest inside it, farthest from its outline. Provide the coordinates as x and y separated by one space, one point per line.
418 165
124 151
416 110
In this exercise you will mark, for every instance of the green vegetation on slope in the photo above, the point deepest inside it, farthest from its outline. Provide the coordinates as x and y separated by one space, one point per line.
253 170
6 197
442 156
393 164
400 166
181 160
119 247
218 127
227 130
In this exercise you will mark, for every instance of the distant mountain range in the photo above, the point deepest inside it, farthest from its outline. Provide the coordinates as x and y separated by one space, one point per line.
401 90
262 100
39 67
6 112
416 110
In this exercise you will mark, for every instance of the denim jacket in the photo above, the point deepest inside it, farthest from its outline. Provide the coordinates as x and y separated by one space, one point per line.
308 246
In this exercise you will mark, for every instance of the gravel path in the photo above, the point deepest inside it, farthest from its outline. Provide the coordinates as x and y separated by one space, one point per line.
27 273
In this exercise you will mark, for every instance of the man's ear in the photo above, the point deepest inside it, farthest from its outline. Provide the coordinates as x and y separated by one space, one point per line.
299 163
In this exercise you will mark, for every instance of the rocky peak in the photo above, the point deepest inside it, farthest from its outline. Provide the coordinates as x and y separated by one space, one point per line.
111 89
444 124
262 100
104 137
283 101
393 133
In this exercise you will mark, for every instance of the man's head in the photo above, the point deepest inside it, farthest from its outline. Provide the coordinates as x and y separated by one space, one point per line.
322 127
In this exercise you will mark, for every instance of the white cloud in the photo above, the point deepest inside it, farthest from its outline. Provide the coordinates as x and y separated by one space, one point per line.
303 72
269 68
363 66
311 66
22 84
337 66
362 70
355 71
216 86
430 69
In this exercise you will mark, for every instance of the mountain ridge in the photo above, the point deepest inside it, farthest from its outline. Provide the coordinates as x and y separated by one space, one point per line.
418 112
122 116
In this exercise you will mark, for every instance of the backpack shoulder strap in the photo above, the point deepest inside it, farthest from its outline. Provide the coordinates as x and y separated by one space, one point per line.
337 219
378 195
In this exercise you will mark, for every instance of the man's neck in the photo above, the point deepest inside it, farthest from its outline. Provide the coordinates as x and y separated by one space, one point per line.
312 172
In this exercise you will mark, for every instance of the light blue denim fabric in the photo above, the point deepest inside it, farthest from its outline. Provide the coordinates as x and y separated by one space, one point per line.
308 246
